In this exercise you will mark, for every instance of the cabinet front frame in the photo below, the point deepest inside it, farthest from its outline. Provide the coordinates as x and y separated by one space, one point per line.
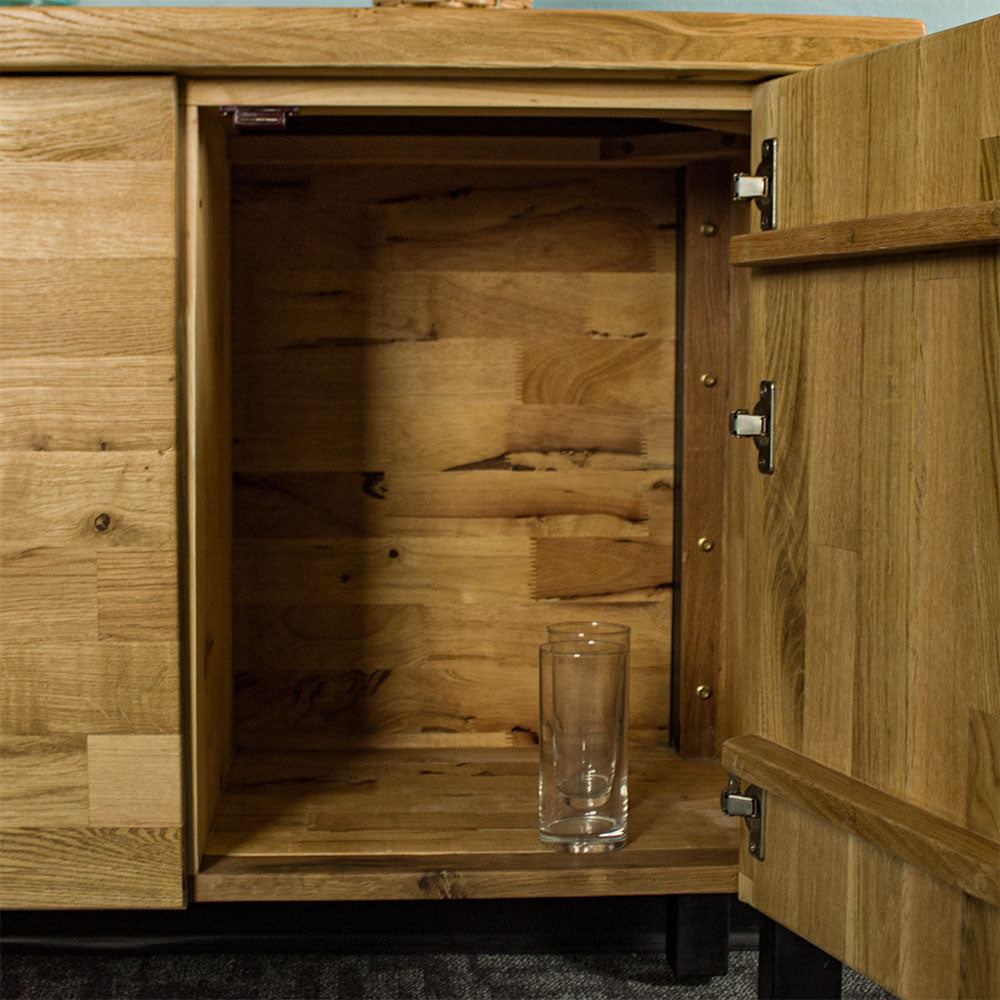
697 680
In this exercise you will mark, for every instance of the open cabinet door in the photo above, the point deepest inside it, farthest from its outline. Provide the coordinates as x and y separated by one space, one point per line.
863 651
90 768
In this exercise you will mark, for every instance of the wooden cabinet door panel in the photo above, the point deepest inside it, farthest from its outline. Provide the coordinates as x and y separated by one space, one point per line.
870 567
90 779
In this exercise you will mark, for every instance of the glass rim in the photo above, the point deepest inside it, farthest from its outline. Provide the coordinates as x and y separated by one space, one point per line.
571 647
578 626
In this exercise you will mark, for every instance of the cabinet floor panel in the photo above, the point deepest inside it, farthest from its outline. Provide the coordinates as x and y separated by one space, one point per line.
405 824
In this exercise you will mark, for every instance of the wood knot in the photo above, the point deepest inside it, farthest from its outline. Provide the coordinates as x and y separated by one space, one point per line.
441 885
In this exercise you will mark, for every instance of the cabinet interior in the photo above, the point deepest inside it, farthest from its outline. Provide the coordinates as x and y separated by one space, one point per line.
432 398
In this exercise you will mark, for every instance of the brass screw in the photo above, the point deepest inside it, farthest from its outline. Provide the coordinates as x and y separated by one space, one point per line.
102 522
709 229
708 381
706 544
703 691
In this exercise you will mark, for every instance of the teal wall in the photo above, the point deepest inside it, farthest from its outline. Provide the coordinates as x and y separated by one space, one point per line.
937 14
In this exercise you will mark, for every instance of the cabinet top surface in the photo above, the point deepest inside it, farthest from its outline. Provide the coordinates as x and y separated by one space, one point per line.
439 42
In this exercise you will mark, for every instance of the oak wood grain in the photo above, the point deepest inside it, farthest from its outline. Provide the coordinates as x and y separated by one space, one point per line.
452 423
89 599
523 43
869 546
449 823
931 229
959 856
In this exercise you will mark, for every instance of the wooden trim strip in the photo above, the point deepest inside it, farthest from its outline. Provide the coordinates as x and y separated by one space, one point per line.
260 40
950 852
910 232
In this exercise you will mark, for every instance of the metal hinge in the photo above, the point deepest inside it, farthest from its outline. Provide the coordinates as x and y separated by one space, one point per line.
759 187
751 804
758 425
258 118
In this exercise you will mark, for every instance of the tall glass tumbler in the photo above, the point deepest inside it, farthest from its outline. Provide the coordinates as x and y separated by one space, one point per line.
583 765
604 631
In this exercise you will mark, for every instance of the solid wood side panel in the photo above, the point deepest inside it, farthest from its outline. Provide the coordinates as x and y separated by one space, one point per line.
516 42
933 229
89 602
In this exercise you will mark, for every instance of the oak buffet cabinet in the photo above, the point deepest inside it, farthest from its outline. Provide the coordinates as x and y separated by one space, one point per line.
345 349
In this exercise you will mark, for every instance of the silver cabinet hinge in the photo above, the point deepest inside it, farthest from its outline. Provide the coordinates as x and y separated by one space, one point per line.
759 187
258 118
759 425
751 804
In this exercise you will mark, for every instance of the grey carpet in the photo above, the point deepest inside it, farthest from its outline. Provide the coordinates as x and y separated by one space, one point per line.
214 976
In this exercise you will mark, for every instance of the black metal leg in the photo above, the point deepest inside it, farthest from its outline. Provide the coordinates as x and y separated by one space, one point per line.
793 969
698 935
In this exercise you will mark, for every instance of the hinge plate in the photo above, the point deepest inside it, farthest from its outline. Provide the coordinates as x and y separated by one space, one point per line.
759 425
759 186
751 804
258 118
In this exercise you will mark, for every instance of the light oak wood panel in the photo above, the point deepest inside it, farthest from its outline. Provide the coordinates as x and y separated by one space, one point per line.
428 392
714 105
311 305
498 501
883 512
127 213
435 571
137 595
933 229
44 780
89 605
533 42
94 501
462 822
101 687
41 121
107 308
948 851
47 404
406 219
134 781
892 922
52 867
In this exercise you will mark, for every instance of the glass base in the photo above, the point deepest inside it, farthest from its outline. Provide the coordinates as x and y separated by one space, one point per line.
584 835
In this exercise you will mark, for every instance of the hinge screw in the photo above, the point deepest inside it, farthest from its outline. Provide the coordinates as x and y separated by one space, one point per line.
706 544
709 381
703 691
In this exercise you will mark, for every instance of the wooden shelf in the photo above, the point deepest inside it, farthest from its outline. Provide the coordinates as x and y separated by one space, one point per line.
406 824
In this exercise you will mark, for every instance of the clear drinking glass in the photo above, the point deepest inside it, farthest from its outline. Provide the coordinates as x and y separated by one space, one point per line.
583 766
604 631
